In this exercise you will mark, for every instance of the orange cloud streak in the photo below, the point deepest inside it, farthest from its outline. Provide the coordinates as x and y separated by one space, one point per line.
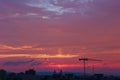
38 55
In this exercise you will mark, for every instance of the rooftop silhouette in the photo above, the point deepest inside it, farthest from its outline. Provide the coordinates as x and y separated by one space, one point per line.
31 74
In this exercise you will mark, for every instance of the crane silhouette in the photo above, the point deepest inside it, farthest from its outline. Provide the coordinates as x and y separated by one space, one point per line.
84 63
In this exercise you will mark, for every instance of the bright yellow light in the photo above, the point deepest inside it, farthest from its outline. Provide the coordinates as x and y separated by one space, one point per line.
38 55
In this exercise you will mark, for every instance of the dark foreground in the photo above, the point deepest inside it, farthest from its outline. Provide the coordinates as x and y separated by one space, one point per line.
31 75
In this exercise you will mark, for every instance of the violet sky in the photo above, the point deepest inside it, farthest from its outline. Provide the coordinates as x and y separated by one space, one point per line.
53 34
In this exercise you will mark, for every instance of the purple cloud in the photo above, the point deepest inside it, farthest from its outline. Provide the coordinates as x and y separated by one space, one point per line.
23 62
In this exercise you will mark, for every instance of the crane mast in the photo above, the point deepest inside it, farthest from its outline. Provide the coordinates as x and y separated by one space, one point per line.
84 64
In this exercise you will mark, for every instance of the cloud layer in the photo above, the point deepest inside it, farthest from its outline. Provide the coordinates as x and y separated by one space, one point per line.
58 32
39 8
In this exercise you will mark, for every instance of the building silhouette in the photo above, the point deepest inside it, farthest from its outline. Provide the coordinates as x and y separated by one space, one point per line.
31 74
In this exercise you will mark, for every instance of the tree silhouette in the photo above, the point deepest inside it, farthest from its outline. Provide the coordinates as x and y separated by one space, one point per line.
3 74
30 72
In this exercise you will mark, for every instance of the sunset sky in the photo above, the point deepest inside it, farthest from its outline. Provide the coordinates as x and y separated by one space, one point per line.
54 34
